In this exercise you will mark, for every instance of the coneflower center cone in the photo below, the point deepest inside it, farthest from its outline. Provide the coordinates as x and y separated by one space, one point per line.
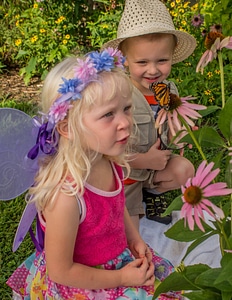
174 102
211 38
193 195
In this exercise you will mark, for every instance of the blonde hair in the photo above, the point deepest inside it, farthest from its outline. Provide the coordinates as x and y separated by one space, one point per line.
73 160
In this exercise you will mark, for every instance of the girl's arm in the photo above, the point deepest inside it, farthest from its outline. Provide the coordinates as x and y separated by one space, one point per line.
135 242
62 222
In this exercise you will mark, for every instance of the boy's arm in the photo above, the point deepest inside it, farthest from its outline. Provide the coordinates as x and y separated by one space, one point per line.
154 159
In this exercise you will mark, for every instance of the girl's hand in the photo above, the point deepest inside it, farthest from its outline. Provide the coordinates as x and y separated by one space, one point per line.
138 272
140 250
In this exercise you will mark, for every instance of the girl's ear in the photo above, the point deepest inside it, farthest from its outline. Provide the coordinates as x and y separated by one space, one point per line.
62 128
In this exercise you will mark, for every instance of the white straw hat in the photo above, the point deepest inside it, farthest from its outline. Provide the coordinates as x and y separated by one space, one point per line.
142 17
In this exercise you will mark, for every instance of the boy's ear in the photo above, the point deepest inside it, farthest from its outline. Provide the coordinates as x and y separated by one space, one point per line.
62 128
126 63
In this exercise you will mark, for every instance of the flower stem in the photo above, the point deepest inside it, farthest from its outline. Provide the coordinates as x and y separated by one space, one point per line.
192 136
223 236
222 77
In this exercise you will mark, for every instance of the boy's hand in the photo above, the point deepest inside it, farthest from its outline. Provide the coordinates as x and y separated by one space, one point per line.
158 158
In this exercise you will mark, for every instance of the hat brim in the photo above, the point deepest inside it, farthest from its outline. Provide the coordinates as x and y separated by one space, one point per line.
186 43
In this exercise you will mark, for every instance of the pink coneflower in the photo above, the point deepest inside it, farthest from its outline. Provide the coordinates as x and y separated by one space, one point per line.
195 194
197 20
178 106
214 42
216 28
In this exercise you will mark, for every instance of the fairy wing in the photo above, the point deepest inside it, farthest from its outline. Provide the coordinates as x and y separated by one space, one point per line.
17 136
16 139
161 92
27 218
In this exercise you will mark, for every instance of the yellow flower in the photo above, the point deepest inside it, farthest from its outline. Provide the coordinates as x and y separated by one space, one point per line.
211 99
65 42
42 30
183 22
62 18
17 16
207 92
174 14
188 64
181 10
178 1
35 5
186 4
17 23
34 38
6 15
67 36
217 72
172 4
209 74
18 42
105 26
194 7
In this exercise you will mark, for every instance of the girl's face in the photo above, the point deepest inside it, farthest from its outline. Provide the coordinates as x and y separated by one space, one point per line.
109 125
149 59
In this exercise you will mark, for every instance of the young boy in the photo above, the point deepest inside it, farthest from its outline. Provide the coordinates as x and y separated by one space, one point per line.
147 37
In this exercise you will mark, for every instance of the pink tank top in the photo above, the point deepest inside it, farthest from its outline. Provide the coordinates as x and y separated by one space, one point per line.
101 235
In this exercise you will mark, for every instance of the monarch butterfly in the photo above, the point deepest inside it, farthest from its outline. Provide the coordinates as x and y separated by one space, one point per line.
162 93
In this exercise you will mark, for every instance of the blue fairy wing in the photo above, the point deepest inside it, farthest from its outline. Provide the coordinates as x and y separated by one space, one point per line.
16 139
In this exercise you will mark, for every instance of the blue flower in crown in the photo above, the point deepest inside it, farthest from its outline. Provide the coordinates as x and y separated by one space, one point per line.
102 61
73 85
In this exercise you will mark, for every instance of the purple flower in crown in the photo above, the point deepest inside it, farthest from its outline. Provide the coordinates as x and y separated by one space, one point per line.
102 61
85 70
58 111
119 59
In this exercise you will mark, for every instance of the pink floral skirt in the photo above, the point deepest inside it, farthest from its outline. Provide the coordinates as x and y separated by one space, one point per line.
31 281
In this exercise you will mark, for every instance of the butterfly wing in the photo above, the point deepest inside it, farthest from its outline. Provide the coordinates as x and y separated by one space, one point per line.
161 92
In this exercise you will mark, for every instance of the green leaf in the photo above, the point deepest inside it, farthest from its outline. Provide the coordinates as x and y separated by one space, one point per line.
226 274
226 295
209 110
203 294
206 137
21 53
182 233
198 241
183 280
176 204
225 119
209 279
31 65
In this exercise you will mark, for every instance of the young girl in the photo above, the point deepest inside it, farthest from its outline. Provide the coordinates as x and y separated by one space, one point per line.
92 250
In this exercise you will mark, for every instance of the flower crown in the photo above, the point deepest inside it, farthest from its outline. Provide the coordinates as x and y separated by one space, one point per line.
85 72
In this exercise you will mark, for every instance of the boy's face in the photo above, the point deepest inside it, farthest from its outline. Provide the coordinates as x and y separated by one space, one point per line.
149 59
